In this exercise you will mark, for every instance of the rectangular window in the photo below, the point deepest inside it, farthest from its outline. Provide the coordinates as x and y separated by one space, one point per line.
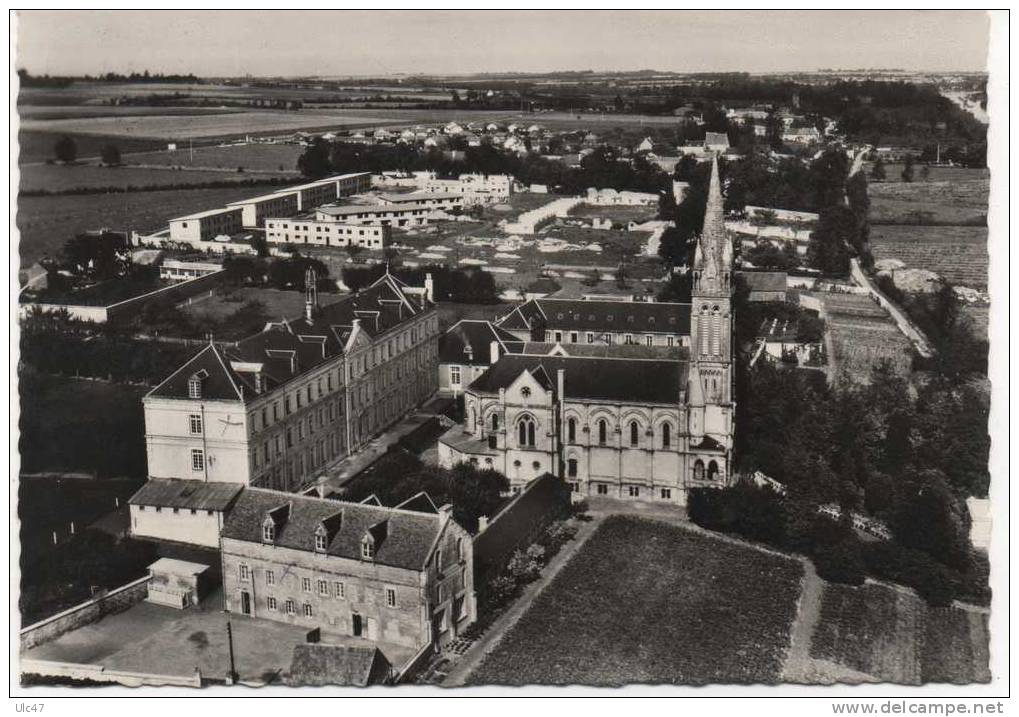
603 489
650 340
270 577
197 459
308 612
634 491
271 603
306 584
244 572
339 591
454 375
323 587
571 467
573 337
559 337
590 337
671 341
291 607
195 424
390 597
667 493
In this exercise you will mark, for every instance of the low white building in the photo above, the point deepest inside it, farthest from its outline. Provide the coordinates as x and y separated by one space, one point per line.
326 233
181 511
207 225
178 270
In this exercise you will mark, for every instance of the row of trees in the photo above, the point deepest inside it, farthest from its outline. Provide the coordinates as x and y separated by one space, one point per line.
65 150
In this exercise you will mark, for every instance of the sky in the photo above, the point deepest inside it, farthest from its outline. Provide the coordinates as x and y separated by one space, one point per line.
379 43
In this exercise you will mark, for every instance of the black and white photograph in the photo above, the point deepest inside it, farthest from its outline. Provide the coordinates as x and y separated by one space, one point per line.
446 352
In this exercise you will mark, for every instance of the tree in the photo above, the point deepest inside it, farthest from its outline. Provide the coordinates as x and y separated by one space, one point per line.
907 170
877 171
66 149
925 172
314 162
837 229
110 155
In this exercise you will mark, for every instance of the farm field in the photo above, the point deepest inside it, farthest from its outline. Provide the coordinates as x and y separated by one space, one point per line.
646 602
253 157
893 173
38 146
59 178
957 253
892 635
43 112
45 223
947 202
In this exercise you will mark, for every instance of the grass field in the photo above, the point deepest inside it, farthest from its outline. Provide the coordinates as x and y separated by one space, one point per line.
957 253
893 173
645 602
278 304
58 178
253 157
45 223
945 202
893 636
43 112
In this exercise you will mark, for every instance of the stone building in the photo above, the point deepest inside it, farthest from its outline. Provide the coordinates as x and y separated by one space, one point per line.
390 575
623 427
276 407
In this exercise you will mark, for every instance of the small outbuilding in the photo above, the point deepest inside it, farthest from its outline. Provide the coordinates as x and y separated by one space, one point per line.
316 665
178 583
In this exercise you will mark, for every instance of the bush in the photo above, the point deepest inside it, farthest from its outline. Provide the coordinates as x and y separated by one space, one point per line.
523 568
936 583
840 562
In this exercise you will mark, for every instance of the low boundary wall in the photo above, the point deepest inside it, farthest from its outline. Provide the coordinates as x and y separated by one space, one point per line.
114 601
98 673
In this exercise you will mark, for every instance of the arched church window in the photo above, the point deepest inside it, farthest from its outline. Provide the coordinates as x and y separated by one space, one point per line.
698 469
525 431
712 471
495 421
666 435
571 430
603 431
634 434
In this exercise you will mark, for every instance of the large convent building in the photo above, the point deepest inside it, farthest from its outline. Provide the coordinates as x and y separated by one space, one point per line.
635 428
273 409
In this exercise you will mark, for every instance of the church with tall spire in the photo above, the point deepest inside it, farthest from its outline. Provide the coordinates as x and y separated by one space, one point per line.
710 376
623 418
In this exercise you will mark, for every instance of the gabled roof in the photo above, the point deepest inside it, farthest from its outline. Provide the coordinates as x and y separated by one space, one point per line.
599 316
658 381
476 334
343 665
291 347
404 542
218 380
195 494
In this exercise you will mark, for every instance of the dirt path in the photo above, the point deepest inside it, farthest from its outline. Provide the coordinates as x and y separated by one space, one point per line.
479 650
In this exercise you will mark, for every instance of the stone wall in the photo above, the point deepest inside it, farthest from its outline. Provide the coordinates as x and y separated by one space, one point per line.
543 500
87 612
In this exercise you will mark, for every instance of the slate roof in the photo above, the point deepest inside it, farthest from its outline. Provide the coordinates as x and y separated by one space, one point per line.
617 316
290 347
344 665
606 379
177 493
635 351
475 333
404 539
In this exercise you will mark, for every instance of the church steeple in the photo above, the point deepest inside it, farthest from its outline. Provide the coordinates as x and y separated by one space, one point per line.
713 256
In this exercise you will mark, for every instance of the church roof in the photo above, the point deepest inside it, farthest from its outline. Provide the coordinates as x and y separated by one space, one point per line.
624 380
600 316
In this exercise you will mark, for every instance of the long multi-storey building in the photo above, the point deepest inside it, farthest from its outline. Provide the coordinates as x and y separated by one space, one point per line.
273 409
326 233
393 215
255 210
205 226
391 575
576 321
474 188
629 428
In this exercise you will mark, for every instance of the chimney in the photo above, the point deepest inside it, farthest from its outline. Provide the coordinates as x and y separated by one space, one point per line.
493 353
354 325
482 523
429 288
446 509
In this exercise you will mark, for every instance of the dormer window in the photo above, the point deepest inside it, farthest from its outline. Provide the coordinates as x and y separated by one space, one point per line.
268 531
320 542
367 549
195 384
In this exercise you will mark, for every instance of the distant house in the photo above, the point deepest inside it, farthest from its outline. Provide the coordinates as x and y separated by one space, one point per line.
801 135
646 146
716 141
317 665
